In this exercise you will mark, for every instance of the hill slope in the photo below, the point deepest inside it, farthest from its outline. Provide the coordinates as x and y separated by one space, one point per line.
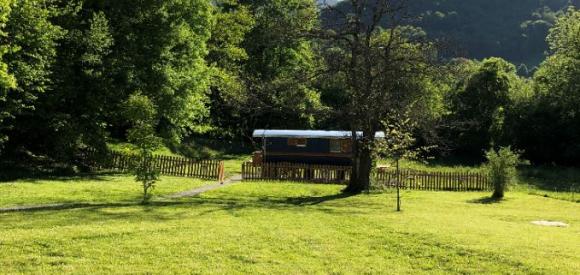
514 30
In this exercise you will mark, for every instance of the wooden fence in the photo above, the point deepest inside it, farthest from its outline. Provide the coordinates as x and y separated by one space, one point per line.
436 181
166 165
409 179
296 172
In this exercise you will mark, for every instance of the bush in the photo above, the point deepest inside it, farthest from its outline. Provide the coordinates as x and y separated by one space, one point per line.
501 169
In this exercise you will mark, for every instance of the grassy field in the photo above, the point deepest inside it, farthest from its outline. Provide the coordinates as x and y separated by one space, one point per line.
549 181
286 228
103 188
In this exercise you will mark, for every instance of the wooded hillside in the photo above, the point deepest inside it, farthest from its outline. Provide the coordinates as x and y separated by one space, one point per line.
514 30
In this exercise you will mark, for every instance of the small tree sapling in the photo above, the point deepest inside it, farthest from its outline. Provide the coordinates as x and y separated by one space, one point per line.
139 110
399 143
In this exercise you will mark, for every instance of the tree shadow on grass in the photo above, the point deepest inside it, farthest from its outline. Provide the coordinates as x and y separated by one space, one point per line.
226 204
33 177
487 200
71 206
316 200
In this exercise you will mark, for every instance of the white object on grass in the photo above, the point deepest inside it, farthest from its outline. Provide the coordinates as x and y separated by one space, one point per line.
550 223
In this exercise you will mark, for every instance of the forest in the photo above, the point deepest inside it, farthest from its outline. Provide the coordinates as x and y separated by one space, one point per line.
470 74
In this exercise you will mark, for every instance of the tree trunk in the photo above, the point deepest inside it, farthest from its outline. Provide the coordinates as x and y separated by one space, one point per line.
361 166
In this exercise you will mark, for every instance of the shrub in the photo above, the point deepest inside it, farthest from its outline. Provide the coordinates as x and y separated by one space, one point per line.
501 169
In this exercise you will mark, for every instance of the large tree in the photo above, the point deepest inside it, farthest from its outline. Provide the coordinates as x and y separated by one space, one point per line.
280 67
384 63
33 39
227 57
480 104
550 131
159 50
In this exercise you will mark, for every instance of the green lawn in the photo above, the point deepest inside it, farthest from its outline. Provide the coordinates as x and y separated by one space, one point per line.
550 181
87 189
289 228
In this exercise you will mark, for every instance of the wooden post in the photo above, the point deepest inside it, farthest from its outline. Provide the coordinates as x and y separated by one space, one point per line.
221 172
398 187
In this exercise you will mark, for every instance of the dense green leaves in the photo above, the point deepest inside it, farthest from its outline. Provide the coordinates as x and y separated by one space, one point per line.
480 103
553 116
159 49
29 59
7 81
501 169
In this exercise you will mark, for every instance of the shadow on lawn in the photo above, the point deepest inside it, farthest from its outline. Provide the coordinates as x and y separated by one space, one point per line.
265 202
33 176
317 200
486 200
71 206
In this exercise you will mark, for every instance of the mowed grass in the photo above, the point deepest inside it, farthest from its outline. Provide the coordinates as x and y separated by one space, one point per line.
103 188
550 181
284 228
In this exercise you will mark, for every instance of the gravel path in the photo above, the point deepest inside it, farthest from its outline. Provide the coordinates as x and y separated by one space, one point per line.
197 191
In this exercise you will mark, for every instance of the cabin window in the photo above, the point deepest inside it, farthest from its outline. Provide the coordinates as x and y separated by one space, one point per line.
335 146
340 146
298 142
346 146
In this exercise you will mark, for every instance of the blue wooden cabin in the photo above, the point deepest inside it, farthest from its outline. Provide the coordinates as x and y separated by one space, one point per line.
306 146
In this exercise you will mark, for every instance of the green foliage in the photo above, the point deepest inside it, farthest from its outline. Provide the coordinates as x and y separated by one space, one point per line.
7 80
479 106
33 41
223 68
83 87
140 111
159 49
554 135
501 169
227 56
281 66
78 61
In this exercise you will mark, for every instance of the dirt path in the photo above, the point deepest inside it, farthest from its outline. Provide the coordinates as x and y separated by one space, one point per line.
197 191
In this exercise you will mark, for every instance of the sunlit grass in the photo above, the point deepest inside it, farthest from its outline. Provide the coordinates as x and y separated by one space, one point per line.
283 228
87 189
550 181
125 147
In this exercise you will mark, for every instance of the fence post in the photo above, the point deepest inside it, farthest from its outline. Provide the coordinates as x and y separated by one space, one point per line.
221 172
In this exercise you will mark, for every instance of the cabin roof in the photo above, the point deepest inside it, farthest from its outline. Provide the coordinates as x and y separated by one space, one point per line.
308 134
